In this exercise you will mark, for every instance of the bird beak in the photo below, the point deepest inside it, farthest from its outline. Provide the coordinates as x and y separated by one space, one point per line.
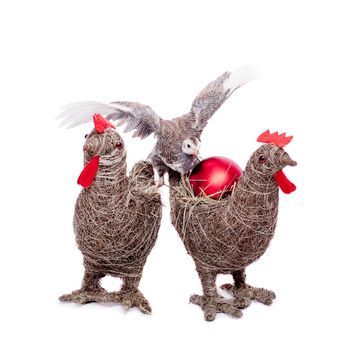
196 153
287 160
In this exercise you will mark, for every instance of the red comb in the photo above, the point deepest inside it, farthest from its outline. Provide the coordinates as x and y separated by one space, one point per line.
278 140
101 124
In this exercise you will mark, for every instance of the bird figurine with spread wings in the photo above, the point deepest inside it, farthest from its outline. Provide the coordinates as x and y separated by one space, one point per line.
178 139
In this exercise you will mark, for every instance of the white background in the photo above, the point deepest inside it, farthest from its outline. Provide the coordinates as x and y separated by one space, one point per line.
163 53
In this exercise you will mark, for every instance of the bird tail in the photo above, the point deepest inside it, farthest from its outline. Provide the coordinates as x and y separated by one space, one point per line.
143 172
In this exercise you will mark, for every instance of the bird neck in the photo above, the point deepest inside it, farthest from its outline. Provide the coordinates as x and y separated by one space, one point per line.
111 177
255 189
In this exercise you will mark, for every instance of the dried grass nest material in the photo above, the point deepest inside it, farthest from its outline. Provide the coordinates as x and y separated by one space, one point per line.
116 224
225 236
116 229
221 235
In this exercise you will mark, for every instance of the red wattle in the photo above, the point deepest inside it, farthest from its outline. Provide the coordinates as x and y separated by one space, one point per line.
87 176
285 185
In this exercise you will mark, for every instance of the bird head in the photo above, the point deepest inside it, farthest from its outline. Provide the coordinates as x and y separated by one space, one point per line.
270 158
103 147
191 146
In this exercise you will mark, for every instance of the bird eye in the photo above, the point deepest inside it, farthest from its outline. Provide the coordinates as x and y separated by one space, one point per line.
119 145
86 136
262 159
188 146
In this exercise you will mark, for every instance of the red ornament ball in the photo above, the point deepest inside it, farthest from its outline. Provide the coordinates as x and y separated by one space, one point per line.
214 177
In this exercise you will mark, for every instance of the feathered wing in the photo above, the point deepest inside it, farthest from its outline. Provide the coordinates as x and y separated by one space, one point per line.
138 117
216 93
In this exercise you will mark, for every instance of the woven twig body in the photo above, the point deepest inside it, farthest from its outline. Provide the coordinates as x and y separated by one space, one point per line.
116 225
226 236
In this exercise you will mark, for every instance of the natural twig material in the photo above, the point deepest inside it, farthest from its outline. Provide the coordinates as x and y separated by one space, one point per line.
116 223
226 236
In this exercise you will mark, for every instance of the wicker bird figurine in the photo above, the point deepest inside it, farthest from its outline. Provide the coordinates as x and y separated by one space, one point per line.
116 219
225 236
178 140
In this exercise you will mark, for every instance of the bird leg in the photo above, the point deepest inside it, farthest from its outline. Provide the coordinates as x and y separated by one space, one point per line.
129 295
211 302
159 168
160 181
245 293
90 291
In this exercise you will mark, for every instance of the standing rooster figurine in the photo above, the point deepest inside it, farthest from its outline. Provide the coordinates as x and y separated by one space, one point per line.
225 236
116 219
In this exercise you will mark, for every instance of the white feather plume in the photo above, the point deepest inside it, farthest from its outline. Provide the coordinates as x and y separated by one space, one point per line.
239 77
81 112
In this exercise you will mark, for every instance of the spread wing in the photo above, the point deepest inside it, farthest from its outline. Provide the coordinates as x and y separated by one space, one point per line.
138 117
216 93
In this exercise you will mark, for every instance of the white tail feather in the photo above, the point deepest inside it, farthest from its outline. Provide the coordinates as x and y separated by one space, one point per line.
239 77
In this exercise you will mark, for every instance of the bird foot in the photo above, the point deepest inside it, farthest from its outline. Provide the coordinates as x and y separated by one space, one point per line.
129 299
83 296
247 293
213 305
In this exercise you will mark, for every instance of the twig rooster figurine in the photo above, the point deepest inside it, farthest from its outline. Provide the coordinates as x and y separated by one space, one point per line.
225 236
116 219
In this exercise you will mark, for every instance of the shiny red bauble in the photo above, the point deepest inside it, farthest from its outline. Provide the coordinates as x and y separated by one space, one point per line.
214 177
